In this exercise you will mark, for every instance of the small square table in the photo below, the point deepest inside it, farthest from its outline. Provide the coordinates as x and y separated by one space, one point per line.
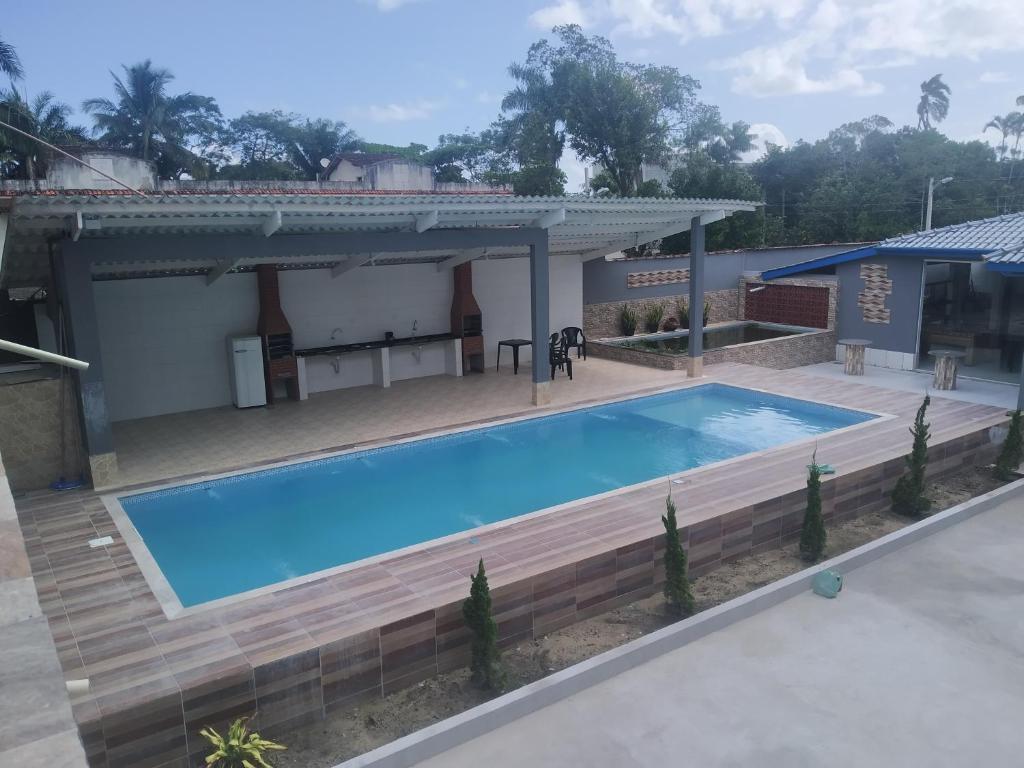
515 344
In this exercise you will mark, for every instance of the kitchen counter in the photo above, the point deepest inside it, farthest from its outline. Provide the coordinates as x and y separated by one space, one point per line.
360 346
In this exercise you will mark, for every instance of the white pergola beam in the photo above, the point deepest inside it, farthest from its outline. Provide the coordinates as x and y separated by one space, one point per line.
222 268
461 258
352 262
549 219
271 224
426 221
639 238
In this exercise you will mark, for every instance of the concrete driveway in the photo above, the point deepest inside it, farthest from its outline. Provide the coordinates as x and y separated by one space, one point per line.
920 661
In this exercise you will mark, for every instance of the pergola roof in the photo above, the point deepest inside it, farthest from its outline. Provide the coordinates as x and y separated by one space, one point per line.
576 224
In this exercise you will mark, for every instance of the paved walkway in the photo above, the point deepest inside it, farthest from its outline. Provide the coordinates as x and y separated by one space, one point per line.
968 390
919 662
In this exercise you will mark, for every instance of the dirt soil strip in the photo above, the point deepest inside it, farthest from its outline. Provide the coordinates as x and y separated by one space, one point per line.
346 734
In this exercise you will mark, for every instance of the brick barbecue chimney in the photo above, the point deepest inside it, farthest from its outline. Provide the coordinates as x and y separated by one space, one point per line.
467 320
279 362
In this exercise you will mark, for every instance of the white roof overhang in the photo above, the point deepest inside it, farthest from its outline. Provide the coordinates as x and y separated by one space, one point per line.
577 225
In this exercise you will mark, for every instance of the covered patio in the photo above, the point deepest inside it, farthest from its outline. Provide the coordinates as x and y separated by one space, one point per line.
148 290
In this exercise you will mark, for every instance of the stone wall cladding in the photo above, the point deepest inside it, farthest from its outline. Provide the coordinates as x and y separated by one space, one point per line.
601 321
784 352
30 431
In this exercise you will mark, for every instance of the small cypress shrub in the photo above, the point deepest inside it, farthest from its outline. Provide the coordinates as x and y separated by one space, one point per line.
1012 452
908 496
677 592
485 666
812 534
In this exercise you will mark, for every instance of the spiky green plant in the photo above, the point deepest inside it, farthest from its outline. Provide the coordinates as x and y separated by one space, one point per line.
485 664
628 320
240 748
1012 452
812 533
707 310
653 316
678 596
683 312
908 496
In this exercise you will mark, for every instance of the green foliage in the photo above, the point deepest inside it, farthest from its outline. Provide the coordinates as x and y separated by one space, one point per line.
10 64
934 102
148 121
908 496
239 748
45 117
678 595
1012 451
628 320
485 665
653 316
683 312
812 533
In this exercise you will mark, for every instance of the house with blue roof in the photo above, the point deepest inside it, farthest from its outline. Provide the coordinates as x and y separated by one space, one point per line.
948 288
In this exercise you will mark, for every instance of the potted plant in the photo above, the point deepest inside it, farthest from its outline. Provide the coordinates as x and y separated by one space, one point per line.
707 310
653 316
670 324
627 320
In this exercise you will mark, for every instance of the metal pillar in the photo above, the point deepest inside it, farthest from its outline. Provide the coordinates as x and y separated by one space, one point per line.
695 362
1020 387
74 283
540 279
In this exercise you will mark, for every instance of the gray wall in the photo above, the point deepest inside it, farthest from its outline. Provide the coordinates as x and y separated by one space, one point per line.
904 304
605 281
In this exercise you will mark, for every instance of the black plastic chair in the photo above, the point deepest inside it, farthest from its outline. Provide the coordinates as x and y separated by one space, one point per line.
574 339
558 355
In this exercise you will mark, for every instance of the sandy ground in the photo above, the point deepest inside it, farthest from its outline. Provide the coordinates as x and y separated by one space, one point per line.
346 734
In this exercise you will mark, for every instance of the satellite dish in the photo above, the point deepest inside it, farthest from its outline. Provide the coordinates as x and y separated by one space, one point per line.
324 162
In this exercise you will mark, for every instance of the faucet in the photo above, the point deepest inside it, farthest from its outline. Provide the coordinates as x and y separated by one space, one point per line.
335 331
414 322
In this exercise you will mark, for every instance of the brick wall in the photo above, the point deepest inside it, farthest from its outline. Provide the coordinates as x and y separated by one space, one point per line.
770 309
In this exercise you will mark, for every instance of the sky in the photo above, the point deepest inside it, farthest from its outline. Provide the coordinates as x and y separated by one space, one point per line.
399 71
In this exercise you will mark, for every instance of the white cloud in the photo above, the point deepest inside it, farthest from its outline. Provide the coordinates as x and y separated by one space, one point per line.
994 77
486 97
460 83
563 12
400 113
574 170
391 5
765 134
819 46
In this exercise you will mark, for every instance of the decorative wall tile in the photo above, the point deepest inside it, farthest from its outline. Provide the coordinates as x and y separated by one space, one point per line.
877 288
658 277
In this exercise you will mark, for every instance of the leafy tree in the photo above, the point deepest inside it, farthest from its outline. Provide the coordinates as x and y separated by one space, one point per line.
908 496
812 533
260 143
934 102
146 120
485 664
45 117
10 64
678 595
1012 452
413 151
1004 126
309 141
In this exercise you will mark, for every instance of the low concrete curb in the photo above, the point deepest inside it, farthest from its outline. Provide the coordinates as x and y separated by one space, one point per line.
435 739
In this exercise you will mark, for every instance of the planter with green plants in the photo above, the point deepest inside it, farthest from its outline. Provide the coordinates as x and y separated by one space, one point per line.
628 320
653 316
239 747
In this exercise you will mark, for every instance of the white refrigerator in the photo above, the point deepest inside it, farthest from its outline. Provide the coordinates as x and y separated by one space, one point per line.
245 362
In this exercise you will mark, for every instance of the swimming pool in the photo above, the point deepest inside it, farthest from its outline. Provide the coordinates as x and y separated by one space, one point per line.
230 535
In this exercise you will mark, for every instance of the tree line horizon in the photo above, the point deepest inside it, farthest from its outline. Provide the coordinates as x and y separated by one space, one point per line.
864 181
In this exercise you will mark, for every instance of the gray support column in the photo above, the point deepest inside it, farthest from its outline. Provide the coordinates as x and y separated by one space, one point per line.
540 317
695 362
74 282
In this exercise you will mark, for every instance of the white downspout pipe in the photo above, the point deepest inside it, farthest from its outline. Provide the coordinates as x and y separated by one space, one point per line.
46 357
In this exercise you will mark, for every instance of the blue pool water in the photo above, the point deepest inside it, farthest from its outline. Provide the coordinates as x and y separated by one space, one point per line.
222 537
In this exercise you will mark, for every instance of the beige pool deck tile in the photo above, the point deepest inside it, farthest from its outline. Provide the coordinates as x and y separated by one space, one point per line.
375 627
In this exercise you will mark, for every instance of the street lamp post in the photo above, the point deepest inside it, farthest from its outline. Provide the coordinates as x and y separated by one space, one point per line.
931 191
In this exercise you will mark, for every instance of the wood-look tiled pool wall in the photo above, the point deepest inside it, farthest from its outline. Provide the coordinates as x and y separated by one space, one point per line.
377 660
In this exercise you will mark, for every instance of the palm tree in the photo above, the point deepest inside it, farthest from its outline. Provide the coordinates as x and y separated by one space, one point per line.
147 121
934 102
1016 125
1005 127
10 64
312 140
45 118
